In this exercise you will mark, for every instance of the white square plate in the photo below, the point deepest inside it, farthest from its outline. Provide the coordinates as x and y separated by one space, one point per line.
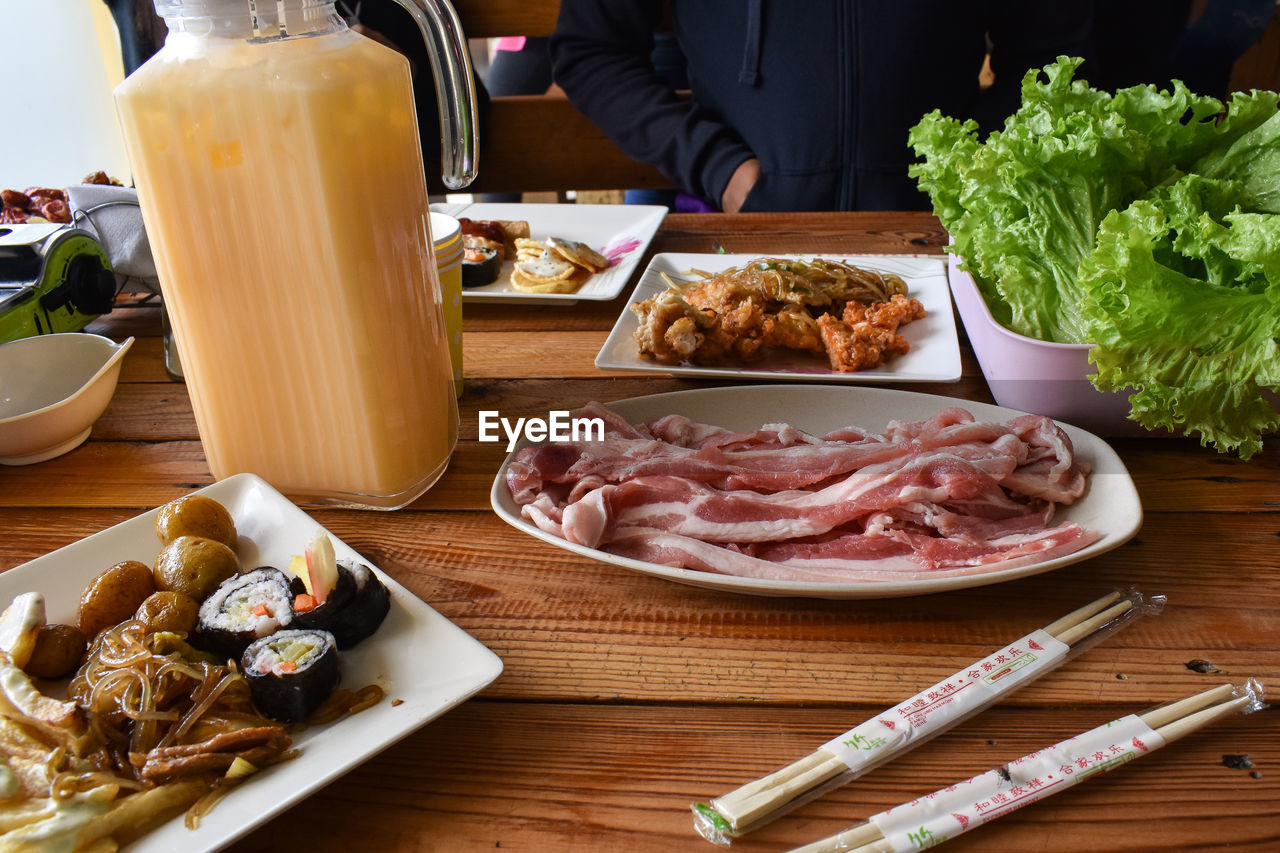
417 656
617 231
1109 506
935 348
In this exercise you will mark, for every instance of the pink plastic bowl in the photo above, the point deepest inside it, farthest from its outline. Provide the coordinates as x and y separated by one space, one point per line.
1037 376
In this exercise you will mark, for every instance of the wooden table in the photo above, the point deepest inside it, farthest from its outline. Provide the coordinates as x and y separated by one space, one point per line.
625 697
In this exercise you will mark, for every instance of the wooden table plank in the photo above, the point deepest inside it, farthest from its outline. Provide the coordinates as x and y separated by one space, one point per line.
571 629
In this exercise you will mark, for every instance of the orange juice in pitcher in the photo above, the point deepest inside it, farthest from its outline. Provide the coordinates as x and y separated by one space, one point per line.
278 167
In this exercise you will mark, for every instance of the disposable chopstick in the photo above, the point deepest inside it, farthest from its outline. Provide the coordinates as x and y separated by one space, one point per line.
1163 715
1163 725
914 721
1075 617
1180 728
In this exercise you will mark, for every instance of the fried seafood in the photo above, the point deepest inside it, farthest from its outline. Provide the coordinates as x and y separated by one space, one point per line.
867 335
821 306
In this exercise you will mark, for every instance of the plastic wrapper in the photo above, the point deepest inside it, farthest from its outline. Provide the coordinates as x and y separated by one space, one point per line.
914 721
932 819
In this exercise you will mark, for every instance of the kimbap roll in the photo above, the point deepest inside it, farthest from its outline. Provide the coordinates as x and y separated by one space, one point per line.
346 599
480 266
242 609
291 673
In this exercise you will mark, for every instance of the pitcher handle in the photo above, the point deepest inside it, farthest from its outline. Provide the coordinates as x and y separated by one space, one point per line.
455 88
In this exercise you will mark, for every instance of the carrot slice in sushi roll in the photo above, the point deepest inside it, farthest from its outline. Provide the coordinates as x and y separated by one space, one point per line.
291 673
242 609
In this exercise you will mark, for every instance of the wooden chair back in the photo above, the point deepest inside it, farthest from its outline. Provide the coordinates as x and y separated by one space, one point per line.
541 143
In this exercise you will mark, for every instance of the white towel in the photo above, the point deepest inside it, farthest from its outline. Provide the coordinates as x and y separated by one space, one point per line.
112 215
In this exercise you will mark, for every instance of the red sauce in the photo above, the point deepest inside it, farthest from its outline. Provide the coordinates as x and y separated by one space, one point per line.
482 228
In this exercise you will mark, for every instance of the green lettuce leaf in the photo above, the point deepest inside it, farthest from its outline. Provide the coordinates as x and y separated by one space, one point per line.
1024 206
1246 148
1182 295
1146 223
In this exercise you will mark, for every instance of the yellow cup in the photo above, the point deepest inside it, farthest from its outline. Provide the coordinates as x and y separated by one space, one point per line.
447 234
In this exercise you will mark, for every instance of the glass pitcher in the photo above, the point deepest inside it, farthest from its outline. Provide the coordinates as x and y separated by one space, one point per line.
278 166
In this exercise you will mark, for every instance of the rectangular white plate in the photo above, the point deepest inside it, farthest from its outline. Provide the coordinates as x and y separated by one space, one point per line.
621 231
935 348
1110 505
417 656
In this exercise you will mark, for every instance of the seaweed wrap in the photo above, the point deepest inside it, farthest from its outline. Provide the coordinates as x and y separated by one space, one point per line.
352 610
481 265
242 609
291 673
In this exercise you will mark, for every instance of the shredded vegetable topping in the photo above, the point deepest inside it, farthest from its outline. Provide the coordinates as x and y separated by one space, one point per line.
818 281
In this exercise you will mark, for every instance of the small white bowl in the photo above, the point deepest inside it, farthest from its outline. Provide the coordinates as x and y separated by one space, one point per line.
1043 377
1036 376
52 390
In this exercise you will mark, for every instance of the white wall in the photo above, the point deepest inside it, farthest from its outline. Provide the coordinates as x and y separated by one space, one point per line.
62 59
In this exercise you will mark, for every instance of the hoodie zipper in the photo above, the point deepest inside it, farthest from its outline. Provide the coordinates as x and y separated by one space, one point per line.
845 111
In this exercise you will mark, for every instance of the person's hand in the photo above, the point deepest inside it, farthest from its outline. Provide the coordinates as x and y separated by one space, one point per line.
740 184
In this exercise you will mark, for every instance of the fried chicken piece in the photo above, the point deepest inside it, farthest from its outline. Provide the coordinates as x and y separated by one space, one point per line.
738 329
672 331
715 294
858 347
898 311
868 335
682 339
719 318
718 292
663 315
793 328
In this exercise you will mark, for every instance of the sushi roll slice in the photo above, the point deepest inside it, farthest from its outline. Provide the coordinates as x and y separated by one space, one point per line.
242 609
291 673
480 266
345 599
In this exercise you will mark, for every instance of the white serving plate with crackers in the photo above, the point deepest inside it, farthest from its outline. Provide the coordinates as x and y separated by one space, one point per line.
620 232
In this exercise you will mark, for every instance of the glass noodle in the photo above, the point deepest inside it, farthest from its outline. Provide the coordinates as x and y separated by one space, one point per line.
817 281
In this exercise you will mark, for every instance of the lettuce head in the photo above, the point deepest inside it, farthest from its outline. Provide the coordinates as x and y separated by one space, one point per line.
1145 222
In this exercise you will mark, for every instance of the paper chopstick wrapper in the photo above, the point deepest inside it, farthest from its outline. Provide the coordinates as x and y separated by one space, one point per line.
944 814
930 712
956 809
941 706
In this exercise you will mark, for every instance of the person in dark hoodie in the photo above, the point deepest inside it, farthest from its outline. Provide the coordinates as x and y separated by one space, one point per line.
802 105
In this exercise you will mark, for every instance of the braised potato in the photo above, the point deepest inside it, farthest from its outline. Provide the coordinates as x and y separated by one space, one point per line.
57 652
193 566
195 515
169 611
113 596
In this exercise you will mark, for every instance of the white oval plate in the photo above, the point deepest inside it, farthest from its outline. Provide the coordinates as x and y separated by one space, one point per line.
1110 505
417 656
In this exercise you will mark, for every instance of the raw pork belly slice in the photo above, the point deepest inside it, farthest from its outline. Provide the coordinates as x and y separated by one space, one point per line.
947 494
